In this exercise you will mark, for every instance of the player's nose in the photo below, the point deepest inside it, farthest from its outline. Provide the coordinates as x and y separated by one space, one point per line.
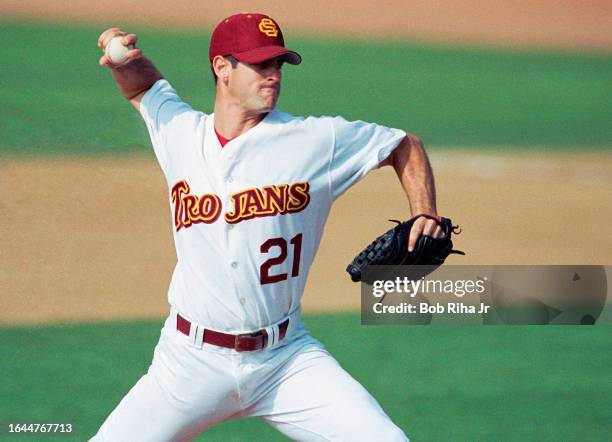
273 74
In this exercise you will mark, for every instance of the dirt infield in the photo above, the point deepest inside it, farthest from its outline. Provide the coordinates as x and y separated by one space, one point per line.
91 239
566 23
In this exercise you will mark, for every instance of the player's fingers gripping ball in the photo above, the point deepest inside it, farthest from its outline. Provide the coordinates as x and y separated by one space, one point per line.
116 51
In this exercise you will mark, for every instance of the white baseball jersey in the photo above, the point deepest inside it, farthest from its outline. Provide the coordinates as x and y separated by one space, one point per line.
247 221
248 217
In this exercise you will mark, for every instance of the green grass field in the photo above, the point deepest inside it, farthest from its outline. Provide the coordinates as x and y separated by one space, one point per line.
437 383
56 98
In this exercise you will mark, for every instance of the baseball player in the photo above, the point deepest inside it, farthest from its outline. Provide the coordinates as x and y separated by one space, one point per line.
250 189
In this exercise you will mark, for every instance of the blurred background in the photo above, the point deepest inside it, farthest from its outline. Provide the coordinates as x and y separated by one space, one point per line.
512 100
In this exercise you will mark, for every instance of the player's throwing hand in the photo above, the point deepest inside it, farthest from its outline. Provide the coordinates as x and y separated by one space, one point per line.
127 40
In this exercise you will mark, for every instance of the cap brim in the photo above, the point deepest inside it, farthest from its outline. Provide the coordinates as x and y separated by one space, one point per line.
264 53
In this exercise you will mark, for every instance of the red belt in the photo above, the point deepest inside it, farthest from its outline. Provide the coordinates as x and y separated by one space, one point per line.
243 342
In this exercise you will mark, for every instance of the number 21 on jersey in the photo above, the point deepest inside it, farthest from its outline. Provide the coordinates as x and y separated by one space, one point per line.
280 244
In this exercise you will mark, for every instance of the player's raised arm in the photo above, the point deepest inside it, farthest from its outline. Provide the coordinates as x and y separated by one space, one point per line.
133 72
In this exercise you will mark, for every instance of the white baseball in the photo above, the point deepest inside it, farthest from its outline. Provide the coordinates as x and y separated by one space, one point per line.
115 51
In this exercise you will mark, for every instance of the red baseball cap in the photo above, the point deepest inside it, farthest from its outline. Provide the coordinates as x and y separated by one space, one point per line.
250 38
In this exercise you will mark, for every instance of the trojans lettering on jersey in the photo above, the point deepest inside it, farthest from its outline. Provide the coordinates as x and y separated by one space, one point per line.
251 203
268 201
191 209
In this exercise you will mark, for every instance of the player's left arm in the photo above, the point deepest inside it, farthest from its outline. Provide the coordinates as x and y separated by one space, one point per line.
413 169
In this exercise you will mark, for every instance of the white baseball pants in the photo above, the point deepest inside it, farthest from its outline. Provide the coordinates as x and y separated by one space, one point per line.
297 387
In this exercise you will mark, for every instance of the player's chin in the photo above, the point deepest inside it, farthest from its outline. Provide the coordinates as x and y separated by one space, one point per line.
262 103
268 102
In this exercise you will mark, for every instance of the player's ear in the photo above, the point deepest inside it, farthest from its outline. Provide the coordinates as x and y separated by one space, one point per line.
221 67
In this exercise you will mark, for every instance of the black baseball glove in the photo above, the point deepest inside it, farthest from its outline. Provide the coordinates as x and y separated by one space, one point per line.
391 249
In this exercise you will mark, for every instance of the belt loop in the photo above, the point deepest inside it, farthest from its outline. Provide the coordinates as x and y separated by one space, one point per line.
273 335
196 339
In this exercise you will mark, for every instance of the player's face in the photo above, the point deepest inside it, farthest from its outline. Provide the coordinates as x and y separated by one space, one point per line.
256 87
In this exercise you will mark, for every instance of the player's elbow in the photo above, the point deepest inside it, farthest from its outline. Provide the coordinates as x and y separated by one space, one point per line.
403 150
412 140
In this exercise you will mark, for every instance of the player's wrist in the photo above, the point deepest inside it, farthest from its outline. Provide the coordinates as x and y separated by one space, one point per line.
135 77
425 211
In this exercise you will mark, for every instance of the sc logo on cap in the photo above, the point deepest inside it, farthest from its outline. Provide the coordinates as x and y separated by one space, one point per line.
268 27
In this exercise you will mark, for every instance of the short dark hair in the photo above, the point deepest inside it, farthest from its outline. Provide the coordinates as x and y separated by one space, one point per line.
229 58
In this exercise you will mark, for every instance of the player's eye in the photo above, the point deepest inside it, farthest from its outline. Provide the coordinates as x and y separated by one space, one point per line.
275 62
